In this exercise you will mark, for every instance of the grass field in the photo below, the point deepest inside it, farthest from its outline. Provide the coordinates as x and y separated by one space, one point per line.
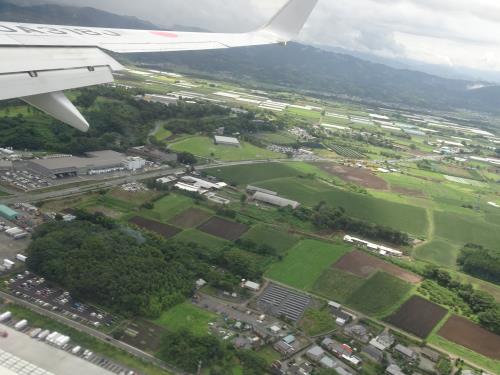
466 354
186 317
395 215
337 285
278 138
168 207
205 147
162 134
249 174
201 238
466 229
316 322
439 252
279 239
305 263
379 295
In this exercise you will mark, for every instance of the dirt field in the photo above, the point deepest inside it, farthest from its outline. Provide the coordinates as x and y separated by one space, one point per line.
409 192
417 316
465 333
143 335
190 218
360 176
362 264
164 230
225 229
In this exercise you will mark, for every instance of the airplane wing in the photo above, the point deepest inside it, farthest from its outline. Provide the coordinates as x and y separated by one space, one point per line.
38 62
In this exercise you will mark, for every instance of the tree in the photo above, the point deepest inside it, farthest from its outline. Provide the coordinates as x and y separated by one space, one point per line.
243 198
490 319
186 158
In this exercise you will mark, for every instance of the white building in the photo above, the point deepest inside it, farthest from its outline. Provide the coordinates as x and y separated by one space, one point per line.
134 163
250 285
226 141
382 250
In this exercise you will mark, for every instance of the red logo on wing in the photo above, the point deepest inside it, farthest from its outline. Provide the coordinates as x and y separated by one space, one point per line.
166 34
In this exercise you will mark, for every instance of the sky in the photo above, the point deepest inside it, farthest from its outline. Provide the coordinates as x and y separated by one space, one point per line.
454 33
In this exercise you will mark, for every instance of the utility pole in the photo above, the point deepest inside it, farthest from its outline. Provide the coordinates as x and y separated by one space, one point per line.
199 368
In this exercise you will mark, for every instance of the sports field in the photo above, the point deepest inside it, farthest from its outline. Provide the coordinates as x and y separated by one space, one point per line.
379 295
266 235
186 317
205 147
305 262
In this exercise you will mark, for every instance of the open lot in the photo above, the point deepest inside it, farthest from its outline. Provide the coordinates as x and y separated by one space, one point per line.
418 316
164 230
190 218
359 176
10 247
305 262
379 295
468 334
222 228
143 335
364 265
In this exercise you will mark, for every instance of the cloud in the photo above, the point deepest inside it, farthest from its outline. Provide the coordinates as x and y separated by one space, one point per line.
452 32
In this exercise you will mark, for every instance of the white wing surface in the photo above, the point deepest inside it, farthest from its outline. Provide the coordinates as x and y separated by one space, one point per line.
38 62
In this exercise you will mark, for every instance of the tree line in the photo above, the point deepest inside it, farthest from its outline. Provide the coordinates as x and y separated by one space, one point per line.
480 262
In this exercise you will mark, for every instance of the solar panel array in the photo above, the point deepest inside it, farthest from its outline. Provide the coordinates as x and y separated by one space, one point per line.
19 366
279 301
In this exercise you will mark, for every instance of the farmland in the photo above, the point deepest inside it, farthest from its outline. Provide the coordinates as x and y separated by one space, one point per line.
439 252
465 333
277 238
380 295
222 228
168 207
417 316
337 285
363 177
164 230
190 218
205 147
201 238
305 262
364 265
347 152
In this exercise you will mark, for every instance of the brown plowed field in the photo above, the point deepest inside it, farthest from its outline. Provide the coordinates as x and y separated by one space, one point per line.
164 230
409 192
228 230
364 265
360 176
465 333
190 218
417 316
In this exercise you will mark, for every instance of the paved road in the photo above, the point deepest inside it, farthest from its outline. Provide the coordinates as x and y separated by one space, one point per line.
94 333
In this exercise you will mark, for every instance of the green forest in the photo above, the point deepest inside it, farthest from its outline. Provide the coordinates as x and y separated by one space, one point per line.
480 262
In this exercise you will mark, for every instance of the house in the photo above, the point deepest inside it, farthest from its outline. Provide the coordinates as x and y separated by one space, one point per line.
431 354
275 329
383 341
315 353
284 348
200 283
226 141
407 352
250 285
374 353
328 362
290 339
359 332
336 347
394 370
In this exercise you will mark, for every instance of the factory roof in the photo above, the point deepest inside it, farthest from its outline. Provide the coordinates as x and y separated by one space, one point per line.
275 200
226 140
94 159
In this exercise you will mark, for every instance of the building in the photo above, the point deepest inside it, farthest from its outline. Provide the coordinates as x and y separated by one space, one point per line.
226 141
394 370
315 353
8 213
407 352
198 182
5 165
250 285
382 250
134 163
328 362
253 189
284 348
275 200
383 341
72 166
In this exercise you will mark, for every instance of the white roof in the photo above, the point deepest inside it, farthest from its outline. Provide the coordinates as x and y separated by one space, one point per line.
231 140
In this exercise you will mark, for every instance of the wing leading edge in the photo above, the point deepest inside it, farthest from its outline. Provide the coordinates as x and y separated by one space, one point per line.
40 61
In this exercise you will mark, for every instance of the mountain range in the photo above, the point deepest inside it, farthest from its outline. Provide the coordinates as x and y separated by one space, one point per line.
305 68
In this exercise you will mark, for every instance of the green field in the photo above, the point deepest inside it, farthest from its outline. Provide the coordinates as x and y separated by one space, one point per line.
379 295
162 134
466 229
439 252
277 238
168 207
205 147
201 238
466 354
278 138
305 263
395 215
249 174
337 285
316 322
186 317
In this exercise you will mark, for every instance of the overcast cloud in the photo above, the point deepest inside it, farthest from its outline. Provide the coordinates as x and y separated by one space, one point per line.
449 32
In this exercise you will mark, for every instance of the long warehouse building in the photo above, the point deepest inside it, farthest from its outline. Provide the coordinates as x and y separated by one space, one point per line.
275 200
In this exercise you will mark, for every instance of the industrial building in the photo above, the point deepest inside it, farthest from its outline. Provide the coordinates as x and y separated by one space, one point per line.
95 163
275 200
253 189
8 213
226 141
5 165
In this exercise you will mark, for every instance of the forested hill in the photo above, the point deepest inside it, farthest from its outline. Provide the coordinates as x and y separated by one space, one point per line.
296 66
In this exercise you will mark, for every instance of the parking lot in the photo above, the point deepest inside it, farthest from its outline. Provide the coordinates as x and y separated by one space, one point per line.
24 180
9 247
36 290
